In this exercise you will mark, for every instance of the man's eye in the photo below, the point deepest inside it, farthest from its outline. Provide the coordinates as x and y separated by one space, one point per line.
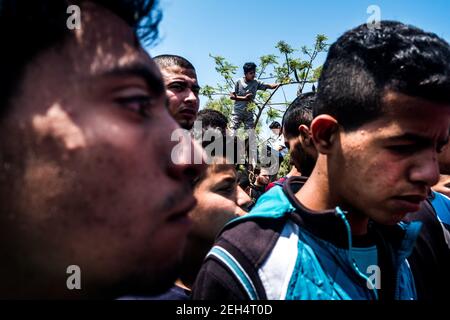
196 90
138 104
177 86
404 148
225 189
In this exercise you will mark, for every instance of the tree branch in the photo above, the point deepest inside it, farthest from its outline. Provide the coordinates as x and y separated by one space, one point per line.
232 84
262 72
311 60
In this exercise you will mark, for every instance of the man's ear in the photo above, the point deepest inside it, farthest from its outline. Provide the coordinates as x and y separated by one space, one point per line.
305 135
324 129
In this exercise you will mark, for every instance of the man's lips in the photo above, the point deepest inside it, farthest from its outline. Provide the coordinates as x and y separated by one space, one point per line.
413 198
190 113
410 203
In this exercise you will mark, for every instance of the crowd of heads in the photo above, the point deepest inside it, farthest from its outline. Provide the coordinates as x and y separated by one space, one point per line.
87 174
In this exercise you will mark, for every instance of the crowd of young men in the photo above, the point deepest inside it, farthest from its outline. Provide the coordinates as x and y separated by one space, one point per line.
88 176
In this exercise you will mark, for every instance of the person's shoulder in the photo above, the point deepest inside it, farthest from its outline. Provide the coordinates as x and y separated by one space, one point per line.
251 228
430 259
441 204
240 81
245 245
437 196
253 238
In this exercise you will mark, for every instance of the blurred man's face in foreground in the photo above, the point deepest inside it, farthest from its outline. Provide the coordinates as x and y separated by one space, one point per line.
87 177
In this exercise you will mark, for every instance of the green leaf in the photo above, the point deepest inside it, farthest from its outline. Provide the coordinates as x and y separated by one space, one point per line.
207 91
284 47
268 59
272 114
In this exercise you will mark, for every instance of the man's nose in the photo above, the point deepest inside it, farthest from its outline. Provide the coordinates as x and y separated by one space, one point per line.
191 97
242 199
427 170
187 159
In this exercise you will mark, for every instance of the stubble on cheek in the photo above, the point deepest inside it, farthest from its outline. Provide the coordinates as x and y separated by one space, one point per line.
52 137
44 185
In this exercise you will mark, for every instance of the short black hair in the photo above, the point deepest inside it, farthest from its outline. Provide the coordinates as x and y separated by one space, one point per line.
249 66
275 125
243 180
169 60
367 61
30 27
299 112
213 119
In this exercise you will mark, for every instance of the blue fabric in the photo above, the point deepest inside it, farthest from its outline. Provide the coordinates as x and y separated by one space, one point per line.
324 271
441 205
272 204
365 257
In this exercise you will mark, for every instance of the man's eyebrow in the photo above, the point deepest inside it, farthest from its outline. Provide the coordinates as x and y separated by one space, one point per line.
154 82
416 138
182 81
227 180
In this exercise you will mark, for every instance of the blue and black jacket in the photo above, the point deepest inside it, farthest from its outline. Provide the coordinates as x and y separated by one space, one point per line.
441 204
430 260
281 250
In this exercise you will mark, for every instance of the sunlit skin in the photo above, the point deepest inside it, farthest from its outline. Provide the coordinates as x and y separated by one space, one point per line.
444 160
443 186
262 180
182 90
87 177
250 76
219 199
383 169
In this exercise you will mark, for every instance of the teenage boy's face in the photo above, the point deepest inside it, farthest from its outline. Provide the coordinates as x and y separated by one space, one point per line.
384 168
249 76
219 199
